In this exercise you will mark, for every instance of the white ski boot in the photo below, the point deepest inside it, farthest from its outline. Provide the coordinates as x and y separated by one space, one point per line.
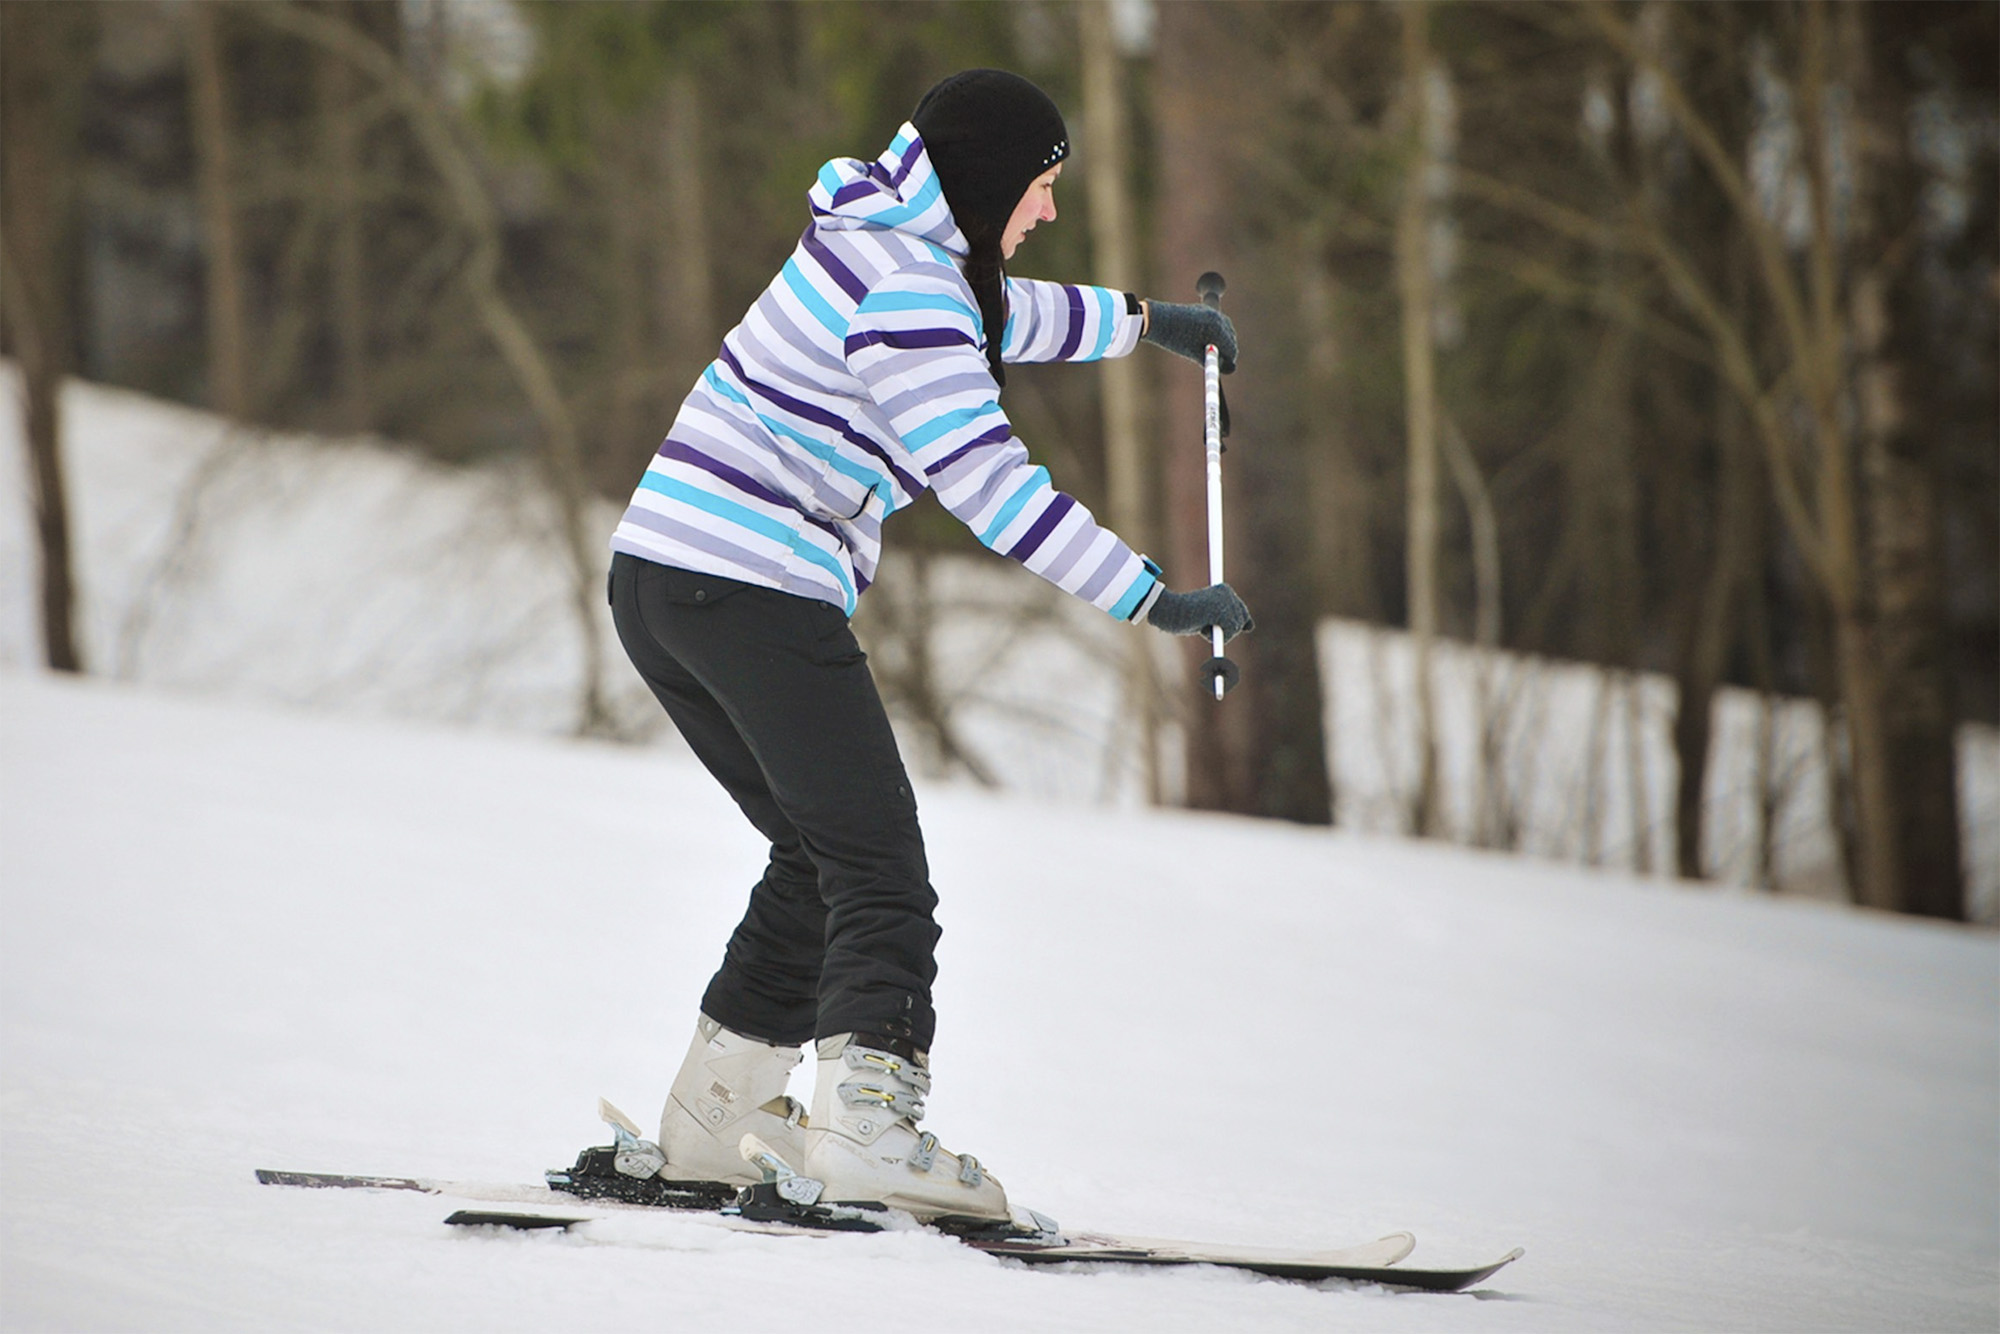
729 1086
862 1142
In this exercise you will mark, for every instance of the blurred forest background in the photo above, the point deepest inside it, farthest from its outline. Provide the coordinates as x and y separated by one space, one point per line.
1658 336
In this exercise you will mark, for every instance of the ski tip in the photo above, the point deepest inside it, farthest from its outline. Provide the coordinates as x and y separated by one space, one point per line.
1472 1277
1480 1276
1402 1243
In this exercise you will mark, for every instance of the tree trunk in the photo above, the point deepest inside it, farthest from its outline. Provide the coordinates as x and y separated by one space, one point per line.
688 298
228 351
1902 466
1487 726
1857 652
346 270
1413 287
1341 492
1115 263
48 50
1707 637
623 187
1342 489
1261 751
1716 518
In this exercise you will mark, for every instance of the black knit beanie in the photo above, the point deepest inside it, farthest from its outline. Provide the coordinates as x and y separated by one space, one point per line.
989 135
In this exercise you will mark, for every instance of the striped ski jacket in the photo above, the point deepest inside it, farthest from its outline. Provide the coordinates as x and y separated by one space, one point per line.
859 380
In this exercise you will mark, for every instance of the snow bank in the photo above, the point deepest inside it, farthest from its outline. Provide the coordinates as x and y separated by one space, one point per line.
1580 766
349 575
290 568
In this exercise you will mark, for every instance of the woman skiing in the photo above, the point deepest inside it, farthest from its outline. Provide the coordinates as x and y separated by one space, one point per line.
867 372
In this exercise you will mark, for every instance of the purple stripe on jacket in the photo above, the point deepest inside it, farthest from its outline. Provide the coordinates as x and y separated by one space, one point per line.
742 481
798 408
906 164
1032 540
852 191
998 435
911 340
828 261
1074 339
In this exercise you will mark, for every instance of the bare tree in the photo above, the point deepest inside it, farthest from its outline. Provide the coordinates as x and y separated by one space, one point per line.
689 305
1786 353
1262 751
1413 285
48 49
341 141
215 137
561 454
1823 515
1897 380
1489 713
1115 261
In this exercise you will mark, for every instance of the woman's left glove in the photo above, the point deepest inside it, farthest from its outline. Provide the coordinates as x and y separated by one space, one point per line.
1195 613
1187 330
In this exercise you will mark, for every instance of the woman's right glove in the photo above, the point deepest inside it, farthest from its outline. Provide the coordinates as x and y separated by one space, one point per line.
1188 330
1193 613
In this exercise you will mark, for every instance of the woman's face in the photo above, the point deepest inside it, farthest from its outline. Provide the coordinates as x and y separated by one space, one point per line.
1037 205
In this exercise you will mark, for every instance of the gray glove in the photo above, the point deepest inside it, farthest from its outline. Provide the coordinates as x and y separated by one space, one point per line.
1193 613
1188 330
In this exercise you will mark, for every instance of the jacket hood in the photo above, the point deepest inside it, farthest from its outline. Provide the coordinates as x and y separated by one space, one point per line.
898 191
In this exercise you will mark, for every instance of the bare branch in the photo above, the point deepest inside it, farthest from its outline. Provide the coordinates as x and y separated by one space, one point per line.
562 454
1557 217
1739 366
1778 277
1543 277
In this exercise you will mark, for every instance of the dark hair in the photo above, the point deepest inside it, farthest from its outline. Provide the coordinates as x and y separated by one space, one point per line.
989 135
986 270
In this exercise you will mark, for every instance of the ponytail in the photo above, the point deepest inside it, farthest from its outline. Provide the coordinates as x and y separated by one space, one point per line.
986 271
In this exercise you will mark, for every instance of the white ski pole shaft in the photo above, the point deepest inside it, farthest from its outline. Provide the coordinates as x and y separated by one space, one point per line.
1212 387
1211 287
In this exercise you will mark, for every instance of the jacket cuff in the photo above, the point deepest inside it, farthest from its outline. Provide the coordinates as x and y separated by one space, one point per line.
1152 594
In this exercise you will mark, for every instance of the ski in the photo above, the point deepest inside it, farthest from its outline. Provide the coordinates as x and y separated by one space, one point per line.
619 1180
1374 1262
538 1208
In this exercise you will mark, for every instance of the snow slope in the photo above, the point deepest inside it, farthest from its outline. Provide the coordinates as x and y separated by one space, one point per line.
237 936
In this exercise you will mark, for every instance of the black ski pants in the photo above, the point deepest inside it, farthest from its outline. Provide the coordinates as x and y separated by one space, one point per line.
774 696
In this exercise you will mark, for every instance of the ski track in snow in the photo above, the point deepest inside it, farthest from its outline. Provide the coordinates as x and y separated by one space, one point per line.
238 936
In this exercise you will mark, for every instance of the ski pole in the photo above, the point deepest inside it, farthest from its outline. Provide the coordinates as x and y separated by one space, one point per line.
1218 671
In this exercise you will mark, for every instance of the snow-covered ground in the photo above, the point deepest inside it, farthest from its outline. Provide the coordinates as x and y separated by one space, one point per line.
235 936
